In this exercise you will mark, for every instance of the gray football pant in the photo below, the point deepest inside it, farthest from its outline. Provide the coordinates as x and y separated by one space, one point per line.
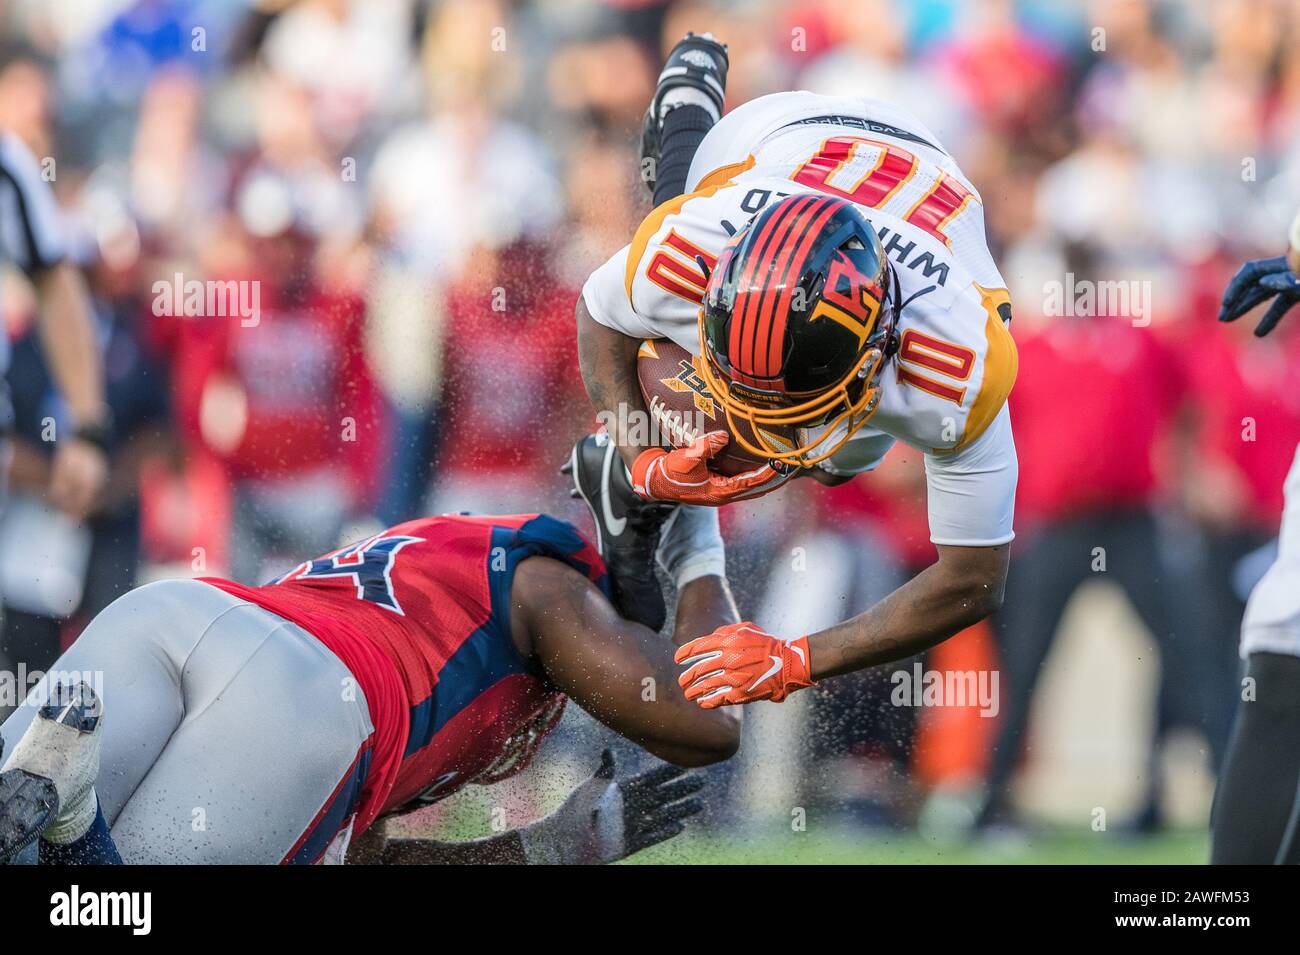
227 729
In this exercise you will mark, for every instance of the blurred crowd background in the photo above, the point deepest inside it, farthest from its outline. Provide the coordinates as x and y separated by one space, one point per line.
420 189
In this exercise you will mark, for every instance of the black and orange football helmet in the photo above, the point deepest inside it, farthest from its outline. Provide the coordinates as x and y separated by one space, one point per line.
796 325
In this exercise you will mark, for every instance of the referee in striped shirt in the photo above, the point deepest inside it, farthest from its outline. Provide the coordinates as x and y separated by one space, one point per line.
31 238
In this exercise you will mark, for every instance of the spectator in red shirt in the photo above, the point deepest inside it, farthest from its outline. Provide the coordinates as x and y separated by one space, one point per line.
511 371
1247 407
284 397
1095 399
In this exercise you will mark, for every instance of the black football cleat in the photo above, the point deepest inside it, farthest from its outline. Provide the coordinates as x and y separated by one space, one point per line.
699 62
627 527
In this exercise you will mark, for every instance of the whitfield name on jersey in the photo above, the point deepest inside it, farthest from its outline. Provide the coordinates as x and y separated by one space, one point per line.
946 387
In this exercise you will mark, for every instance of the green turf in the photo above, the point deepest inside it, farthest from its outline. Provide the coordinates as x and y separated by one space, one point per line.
467 815
874 848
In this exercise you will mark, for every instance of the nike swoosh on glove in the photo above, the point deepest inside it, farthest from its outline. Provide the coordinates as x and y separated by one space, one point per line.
683 475
741 663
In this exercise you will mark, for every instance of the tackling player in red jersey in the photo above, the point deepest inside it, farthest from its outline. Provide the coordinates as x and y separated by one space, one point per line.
273 723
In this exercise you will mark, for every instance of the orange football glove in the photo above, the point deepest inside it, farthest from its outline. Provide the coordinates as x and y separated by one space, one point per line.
683 475
741 663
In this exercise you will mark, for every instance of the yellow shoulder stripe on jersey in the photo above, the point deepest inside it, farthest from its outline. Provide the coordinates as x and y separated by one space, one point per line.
1000 366
651 225
724 173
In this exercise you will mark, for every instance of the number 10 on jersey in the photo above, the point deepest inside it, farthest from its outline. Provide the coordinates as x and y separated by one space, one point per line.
889 169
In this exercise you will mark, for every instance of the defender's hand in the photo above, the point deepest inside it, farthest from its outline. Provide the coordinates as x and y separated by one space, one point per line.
683 475
604 821
1256 282
741 663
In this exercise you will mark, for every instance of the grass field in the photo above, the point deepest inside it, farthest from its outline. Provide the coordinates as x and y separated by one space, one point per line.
468 815
884 848
842 845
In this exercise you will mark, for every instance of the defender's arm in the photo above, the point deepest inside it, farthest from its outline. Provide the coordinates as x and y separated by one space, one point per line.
601 821
621 672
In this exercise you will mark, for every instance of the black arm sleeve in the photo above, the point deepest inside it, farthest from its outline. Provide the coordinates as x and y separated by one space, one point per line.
684 129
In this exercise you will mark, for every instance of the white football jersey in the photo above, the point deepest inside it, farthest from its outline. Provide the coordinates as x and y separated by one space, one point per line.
944 392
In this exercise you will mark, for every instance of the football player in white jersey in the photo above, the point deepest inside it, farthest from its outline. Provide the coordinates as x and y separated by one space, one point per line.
828 267
1256 816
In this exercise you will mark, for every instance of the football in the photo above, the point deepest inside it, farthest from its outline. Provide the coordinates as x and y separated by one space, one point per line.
682 409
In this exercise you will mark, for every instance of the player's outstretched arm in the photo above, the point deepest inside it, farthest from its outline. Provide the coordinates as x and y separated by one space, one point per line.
605 819
961 588
971 496
621 672
743 663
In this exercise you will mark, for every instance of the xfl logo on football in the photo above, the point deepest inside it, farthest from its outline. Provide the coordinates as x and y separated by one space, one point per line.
688 379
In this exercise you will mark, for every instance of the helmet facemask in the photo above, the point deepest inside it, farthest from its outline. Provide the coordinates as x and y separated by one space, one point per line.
742 403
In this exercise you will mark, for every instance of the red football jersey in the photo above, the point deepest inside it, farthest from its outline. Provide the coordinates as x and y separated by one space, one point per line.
420 614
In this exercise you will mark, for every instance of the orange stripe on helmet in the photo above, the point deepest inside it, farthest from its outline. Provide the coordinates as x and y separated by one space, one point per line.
779 315
740 345
763 364
740 305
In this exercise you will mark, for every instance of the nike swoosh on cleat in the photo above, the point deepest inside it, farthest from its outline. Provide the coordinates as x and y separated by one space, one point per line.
776 668
615 524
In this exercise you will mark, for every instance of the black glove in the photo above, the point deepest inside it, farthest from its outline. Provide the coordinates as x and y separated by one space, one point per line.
656 802
604 820
1256 282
